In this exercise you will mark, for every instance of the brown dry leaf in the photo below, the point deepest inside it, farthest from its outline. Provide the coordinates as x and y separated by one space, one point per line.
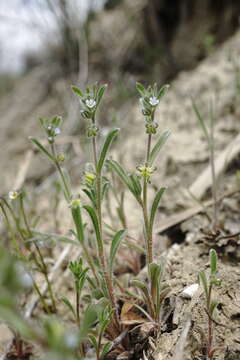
129 315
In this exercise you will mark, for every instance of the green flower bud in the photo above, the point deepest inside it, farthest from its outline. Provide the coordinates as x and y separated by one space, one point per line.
146 171
60 158
89 178
92 131
151 127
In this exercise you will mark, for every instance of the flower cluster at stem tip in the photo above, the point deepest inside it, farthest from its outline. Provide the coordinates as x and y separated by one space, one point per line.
146 171
51 127
149 101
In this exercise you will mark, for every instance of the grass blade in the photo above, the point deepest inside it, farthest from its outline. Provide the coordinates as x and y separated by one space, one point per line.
200 119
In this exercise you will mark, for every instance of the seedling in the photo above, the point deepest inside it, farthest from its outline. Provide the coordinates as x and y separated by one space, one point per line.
211 304
80 275
138 186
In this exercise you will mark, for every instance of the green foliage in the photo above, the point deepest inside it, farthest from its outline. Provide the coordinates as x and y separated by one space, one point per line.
208 284
94 308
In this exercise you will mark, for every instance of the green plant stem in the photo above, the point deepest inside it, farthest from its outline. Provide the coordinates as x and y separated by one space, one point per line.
99 345
41 297
102 257
210 324
42 261
148 231
59 169
14 218
69 197
10 229
77 305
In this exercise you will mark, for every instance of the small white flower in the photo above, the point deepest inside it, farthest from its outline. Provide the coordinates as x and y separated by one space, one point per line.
153 101
90 103
13 195
57 131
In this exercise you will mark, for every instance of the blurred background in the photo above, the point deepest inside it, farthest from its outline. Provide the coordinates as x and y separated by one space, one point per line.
111 38
47 45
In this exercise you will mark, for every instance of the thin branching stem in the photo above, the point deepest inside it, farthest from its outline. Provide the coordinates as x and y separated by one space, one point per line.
102 257
148 232
42 261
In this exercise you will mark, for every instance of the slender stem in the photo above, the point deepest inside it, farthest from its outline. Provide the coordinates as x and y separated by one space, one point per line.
90 263
65 185
77 304
44 266
148 148
102 257
10 229
15 219
69 196
149 245
41 297
45 274
210 324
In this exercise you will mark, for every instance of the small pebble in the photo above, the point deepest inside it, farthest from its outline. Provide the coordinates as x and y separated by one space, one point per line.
189 291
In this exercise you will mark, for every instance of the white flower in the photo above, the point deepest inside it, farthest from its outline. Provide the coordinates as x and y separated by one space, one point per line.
13 195
90 103
153 101
57 131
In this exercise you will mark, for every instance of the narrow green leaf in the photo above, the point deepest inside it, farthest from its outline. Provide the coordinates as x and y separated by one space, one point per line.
140 88
100 93
200 119
68 304
91 196
41 147
119 236
213 306
203 279
155 274
106 348
123 176
111 135
163 91
93 341
95 223
90 316
77 91
157 147
136 184
77 218
155 205
213 261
